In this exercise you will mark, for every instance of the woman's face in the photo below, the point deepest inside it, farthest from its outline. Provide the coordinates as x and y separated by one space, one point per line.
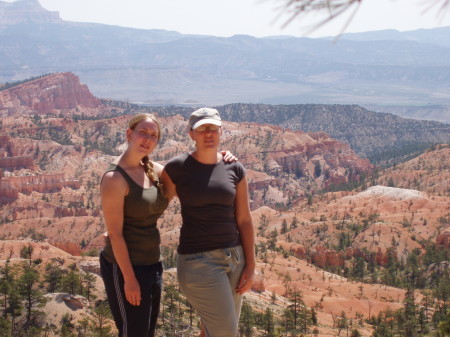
206 136
144 137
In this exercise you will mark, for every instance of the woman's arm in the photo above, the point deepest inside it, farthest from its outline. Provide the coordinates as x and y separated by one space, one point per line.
113 190
168 186
246 231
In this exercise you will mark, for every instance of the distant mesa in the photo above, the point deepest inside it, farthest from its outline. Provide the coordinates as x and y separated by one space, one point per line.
26 11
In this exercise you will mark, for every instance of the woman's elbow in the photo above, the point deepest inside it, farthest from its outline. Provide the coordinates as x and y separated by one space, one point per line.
245 224
115 236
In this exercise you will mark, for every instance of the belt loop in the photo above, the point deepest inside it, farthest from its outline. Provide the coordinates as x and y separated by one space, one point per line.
227 252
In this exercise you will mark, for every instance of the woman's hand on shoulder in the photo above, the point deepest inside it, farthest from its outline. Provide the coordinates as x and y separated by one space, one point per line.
228 157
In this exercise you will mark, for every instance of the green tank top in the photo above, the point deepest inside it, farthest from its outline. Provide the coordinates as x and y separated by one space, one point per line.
142 208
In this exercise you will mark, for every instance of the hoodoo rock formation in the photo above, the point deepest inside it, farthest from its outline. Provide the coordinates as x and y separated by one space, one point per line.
47 95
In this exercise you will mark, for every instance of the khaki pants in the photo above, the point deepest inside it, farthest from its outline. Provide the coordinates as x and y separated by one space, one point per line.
208 280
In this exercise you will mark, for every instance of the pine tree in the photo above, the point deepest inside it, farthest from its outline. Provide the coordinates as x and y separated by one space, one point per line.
269 323
71 282
272 242
15 307
67 326
171 314
26 252
294 223
409 309
6 283
83 326
303 318
444 326
358 268
289 325
342 322
355 333
382 330
5 327
246 320
263 224
88 281
54 275
297 315
284 227
442 290
317 169
100 318
313 316
32 297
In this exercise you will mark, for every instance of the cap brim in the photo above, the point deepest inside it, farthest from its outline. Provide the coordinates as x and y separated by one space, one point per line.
207 121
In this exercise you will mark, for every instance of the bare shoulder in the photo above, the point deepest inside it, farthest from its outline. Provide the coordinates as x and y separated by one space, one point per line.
113 180
158 168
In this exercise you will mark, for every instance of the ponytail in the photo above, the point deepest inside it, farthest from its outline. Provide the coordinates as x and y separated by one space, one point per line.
150 172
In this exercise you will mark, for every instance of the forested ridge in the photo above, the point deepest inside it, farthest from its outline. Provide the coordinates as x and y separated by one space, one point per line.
380 137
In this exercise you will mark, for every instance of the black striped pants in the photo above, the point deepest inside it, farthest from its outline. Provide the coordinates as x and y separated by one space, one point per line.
133 321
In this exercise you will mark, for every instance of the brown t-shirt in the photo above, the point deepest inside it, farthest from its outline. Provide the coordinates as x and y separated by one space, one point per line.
207 193
142 208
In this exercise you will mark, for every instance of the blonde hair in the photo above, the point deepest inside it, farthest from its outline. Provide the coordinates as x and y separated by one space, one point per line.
140 117
146 162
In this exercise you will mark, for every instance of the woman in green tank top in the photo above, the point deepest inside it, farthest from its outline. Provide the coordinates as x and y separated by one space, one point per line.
132 201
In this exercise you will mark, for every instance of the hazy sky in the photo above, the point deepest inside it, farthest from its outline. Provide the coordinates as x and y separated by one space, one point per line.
252 17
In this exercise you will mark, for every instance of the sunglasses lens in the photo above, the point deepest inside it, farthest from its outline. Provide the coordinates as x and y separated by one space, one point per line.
204 128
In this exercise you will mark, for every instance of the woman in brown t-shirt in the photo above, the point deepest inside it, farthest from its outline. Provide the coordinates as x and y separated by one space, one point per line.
216 257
